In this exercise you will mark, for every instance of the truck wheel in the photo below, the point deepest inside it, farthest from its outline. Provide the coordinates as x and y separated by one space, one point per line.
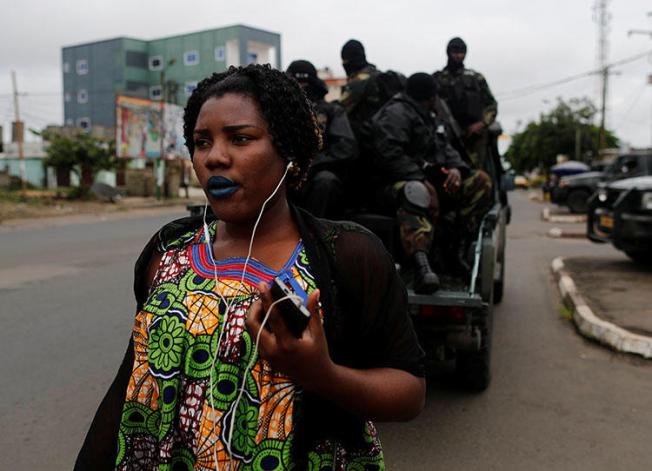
499 285
473 369
644 257
578 201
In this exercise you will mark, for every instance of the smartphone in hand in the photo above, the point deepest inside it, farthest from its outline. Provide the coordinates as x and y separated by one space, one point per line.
293 310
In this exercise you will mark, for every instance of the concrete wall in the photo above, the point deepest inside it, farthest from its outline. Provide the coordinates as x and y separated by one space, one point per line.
105 69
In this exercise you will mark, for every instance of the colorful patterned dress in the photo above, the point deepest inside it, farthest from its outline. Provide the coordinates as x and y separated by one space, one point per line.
177 415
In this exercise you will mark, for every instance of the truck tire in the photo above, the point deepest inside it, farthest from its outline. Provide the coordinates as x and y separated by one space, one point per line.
499 284
578 200
473 369
644 257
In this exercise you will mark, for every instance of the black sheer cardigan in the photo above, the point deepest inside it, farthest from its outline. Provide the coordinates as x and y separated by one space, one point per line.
365 320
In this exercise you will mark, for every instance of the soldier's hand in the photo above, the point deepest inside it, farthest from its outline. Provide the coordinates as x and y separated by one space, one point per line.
453 180
476 128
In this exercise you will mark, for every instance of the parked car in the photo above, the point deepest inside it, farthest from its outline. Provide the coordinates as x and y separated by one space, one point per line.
574 191
620 212
521 181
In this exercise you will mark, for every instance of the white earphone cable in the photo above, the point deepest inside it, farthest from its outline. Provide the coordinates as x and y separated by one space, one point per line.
227 310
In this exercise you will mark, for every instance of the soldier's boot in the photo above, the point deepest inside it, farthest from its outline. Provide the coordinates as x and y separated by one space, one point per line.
425 280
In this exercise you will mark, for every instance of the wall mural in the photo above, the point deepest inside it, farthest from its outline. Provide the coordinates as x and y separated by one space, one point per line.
138 129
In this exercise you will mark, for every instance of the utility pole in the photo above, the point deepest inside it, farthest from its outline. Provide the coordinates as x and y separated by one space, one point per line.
602 18
647 32
19 130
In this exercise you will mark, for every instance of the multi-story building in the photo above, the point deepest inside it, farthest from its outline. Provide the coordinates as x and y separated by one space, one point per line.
95 73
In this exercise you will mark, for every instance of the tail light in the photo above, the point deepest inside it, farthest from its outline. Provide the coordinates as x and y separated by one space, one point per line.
449 314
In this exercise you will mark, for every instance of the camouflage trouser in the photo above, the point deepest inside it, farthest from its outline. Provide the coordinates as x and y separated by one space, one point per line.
476 148
417 225
472 201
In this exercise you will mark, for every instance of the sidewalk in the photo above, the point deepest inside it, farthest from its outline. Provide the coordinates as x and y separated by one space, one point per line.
17 216
14 212
610 301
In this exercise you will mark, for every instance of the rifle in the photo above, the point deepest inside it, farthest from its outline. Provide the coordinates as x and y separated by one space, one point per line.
457 138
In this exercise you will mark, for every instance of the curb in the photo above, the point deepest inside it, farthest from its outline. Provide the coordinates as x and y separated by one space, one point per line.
590 325
558 233
562 218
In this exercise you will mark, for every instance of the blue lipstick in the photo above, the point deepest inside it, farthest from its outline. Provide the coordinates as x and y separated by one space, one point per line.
221 187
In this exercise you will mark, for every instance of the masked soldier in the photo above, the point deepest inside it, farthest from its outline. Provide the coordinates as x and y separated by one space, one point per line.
426 174
323 192
468 96
360 96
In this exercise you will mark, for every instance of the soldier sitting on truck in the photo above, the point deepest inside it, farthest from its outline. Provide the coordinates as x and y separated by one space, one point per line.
425 175
323 192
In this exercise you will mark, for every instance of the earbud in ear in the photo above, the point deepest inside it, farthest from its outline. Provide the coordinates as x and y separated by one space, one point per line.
290 164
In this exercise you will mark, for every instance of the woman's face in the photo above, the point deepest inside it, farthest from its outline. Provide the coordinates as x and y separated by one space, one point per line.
234 158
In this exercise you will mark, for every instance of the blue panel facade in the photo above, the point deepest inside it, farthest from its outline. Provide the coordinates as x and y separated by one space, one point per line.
123 66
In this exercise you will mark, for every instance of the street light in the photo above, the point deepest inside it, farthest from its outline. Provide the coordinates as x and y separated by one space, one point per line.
160 170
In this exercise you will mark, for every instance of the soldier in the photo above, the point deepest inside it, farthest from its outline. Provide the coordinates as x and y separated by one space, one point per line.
426 174
360 96
323 193
473 106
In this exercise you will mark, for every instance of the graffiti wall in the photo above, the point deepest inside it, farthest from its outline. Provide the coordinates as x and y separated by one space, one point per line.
138 129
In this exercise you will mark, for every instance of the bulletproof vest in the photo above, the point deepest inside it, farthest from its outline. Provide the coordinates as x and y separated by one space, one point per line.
464 95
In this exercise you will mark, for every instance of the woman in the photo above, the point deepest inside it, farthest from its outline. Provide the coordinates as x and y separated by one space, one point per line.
194 392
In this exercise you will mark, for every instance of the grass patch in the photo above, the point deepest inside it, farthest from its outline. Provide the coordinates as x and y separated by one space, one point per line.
565 313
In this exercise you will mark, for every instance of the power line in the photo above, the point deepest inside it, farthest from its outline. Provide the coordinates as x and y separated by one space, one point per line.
530 89
632 102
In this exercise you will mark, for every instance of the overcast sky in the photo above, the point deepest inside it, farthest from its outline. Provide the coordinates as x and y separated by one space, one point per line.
514 43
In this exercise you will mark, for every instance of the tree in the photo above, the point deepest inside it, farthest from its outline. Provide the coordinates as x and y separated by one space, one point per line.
567 129
81 153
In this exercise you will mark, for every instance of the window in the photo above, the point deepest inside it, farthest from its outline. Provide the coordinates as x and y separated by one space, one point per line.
252 58
66 67
156 63
220 54
155 92
82 67
82 96
84 123
66 97
189 87
136 59
191 58
69 122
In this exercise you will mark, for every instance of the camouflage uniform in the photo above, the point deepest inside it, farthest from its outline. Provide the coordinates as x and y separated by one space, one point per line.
412 146
467 94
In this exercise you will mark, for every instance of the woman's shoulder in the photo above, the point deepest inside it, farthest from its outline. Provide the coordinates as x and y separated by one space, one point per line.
346 240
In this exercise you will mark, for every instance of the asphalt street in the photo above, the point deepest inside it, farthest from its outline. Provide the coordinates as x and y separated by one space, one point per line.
556 401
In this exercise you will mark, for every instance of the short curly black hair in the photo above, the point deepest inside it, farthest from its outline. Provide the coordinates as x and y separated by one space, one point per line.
286 109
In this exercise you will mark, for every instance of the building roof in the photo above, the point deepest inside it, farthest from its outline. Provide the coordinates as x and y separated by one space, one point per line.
172 36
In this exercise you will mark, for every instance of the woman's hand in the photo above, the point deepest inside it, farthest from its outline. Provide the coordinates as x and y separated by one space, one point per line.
305 360
377 393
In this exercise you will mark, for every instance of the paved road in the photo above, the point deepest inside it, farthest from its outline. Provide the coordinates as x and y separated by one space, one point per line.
556 401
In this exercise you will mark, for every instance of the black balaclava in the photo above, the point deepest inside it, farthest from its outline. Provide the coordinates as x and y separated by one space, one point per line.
421 86
306 74
455 45
353 57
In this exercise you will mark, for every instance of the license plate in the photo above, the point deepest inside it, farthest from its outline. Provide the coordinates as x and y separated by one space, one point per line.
607 221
